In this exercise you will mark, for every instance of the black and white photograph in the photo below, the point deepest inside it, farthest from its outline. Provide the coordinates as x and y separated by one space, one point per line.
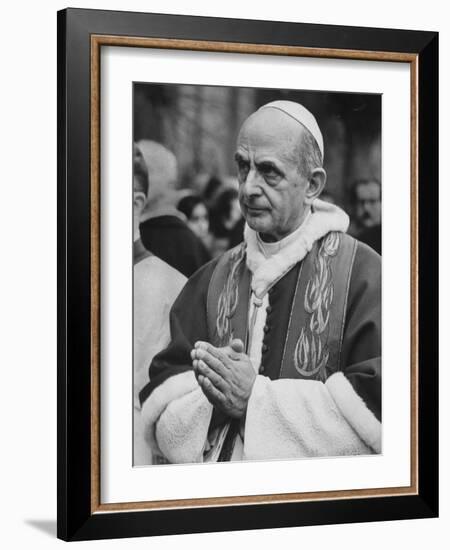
225 275
257 242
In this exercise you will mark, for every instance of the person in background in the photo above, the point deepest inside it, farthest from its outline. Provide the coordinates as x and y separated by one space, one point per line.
367 208
156 285
163 229
227 223
193 207
212 190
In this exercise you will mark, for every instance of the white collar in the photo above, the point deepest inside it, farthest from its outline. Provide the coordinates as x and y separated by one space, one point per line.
269 263
269 249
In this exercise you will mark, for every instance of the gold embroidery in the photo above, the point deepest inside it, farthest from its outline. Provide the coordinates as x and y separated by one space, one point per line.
311 351
229 296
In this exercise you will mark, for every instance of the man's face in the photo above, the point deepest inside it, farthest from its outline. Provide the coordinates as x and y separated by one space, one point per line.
271 188
368 204
199 221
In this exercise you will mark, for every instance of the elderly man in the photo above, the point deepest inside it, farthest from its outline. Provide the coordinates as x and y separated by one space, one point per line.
275 349
156 285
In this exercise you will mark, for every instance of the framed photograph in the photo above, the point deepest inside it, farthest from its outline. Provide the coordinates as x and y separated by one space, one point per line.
247 274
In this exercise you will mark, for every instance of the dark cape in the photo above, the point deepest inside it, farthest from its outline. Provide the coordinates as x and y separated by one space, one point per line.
169 238
372 237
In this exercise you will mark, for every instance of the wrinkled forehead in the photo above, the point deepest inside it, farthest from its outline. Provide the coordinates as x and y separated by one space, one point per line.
270 129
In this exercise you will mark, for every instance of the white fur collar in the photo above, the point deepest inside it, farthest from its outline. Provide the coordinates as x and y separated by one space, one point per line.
325 217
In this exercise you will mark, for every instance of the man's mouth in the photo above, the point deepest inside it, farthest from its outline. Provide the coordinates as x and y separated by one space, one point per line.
255 208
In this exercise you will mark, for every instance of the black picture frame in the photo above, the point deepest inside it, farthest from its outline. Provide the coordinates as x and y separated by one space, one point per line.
78 516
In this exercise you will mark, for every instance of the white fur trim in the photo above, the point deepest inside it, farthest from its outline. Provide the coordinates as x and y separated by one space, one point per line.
325 218
176 419
294 419
173 388
355 411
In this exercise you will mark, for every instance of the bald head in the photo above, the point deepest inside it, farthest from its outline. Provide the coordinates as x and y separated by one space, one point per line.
279 170
270 127
277 125
161 166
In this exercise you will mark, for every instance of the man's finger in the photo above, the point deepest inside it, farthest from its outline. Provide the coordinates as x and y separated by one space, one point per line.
222 354
211 392
209 373
200 345
213 362
237 345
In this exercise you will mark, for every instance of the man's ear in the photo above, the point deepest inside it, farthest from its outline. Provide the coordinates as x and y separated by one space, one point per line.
138 200
316 184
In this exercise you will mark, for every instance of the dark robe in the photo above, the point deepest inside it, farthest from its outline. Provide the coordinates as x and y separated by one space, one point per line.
169 238
372 237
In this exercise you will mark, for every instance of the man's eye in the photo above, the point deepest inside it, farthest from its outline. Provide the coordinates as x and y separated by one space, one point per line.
243 169
269 172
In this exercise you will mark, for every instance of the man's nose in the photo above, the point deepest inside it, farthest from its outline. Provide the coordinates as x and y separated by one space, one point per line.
252 184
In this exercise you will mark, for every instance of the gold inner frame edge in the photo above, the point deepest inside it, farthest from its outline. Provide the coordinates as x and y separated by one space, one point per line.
97 41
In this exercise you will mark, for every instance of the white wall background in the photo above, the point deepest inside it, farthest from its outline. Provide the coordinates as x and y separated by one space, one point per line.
28 273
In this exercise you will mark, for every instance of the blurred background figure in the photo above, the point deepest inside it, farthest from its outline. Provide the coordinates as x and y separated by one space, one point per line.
367 212
227 222
194 208
212 188
156 285
163 228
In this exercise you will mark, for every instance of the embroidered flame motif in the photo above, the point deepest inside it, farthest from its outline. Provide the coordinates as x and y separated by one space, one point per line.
229 297
311 352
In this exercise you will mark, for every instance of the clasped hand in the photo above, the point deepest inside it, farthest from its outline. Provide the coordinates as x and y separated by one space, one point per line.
225 375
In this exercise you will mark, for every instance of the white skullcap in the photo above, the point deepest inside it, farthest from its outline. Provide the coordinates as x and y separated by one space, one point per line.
301 115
